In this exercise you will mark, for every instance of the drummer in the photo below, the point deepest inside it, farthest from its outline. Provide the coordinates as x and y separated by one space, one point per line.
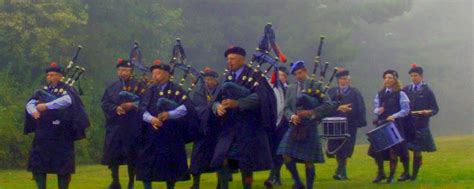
351 106
423 106
393 105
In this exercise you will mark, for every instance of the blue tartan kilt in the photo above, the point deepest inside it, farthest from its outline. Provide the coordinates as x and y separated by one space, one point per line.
308 149
422 141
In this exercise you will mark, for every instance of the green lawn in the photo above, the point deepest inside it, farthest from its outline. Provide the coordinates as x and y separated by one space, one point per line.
452 166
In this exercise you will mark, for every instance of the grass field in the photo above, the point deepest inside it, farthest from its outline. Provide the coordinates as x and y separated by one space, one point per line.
452 166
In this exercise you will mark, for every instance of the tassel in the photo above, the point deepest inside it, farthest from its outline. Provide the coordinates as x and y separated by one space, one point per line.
281 56
274 78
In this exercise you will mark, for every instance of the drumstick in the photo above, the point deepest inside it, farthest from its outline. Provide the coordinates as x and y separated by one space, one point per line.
421 111
348 106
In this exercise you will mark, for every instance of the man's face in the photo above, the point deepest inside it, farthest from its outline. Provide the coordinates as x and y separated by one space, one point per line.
124 73
416 78
235 61
53 78
160 76
343 81
211 82
301 74
282 76
389 80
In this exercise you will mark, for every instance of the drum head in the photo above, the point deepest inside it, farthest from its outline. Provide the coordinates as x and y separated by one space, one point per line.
381 127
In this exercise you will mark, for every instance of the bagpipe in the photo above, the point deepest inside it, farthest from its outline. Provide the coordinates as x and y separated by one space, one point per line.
261 64
314 95
188 78
72 74
130 93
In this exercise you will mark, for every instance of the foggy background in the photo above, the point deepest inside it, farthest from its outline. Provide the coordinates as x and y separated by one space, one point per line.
434 34
437 35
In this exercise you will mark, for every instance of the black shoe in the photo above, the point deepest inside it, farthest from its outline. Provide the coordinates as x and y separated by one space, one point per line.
130 185
389 180
277 182
268 184
404 177
115 185
379 178
413 178
298 186
339 177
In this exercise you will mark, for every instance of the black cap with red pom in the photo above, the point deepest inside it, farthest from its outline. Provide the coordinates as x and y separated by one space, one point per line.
208 72
158 65
54 67
123 63
416 69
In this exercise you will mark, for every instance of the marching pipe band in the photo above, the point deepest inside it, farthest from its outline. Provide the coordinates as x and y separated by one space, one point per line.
244 99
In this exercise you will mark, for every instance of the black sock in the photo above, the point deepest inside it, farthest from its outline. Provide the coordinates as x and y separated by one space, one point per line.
406 165
393 167
277 172
247 179
342 163
271 176
310 174
40 179
223 177
379 162
115 173
170 184
146 184
196 180
291 166
131 175
417 162
63 181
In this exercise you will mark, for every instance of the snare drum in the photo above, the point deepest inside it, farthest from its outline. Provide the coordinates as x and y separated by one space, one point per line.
384 136
335 128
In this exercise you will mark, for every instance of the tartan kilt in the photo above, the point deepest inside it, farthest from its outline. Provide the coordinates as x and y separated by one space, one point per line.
308 149
275 138
347 149
422 141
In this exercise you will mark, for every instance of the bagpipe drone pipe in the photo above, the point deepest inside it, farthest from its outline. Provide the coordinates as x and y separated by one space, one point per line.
187 76
261 66
135 58
176 95
314 94
131 92
72 74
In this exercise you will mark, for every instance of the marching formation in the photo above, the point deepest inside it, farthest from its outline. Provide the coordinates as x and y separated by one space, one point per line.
246 120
